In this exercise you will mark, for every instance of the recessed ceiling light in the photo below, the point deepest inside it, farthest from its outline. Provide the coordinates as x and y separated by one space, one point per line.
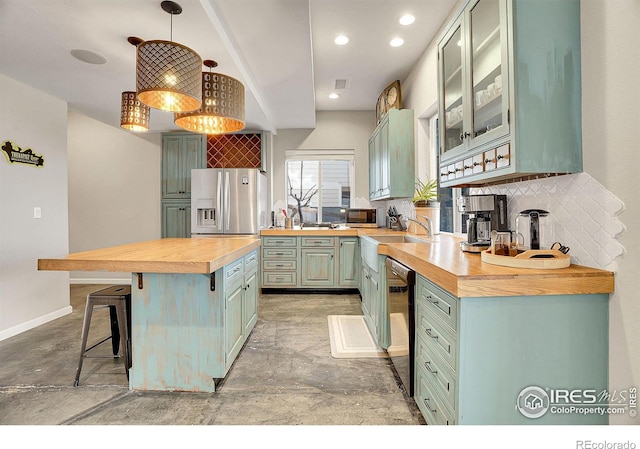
334 96
341 40
396 42
88 56
407 19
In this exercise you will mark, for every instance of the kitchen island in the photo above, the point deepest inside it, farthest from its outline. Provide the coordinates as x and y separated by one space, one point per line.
194 303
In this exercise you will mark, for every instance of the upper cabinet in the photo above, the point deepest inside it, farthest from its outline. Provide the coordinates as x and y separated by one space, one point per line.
180 154
509 91
391 156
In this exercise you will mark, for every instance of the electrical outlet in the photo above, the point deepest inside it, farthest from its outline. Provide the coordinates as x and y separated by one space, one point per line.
37 212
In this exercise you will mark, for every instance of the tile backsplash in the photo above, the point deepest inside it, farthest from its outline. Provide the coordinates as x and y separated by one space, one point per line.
584 213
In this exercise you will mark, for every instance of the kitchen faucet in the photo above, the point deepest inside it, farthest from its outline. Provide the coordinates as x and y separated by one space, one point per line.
427 227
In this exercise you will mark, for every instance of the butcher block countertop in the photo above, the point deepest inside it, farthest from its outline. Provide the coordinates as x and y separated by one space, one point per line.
188 255
465 275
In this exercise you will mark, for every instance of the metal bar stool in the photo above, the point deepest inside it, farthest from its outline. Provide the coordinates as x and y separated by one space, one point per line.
118 299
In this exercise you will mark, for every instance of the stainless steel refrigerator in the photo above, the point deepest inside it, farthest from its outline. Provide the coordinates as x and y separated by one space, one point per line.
228 201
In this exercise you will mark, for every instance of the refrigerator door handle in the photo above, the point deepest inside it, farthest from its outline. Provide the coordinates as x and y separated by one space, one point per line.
227 197
219 203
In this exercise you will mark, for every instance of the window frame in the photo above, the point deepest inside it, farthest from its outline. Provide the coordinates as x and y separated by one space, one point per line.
321 155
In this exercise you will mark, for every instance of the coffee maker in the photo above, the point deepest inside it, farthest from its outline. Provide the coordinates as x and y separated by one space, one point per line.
486 213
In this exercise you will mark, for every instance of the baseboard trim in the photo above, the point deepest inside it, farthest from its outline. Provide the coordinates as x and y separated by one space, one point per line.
28 325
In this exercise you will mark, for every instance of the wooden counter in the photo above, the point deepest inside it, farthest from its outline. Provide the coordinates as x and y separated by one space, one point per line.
463 274
189 255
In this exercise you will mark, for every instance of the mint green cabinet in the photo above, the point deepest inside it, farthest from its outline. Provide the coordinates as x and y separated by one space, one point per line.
317 267
471 352
180 153
348 265
392 156
176 219
279 258
307 262
233 289
250 294
510 91
373 292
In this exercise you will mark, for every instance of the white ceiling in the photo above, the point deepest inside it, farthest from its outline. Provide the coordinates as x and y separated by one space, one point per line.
282 50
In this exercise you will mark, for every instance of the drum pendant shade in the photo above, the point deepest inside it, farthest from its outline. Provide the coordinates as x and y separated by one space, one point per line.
134 115
168 76
222 109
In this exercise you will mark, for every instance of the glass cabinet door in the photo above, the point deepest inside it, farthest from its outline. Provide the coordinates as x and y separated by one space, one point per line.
451 57
488 64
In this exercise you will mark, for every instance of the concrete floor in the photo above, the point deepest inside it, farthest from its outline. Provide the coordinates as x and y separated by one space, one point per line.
285 375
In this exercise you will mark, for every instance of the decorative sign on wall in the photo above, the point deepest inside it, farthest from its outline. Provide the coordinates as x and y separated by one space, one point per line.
17 155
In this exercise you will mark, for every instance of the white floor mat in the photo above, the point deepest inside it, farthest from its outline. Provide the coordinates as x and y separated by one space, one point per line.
351 339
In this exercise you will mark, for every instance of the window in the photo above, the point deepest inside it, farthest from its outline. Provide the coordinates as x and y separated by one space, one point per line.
319 185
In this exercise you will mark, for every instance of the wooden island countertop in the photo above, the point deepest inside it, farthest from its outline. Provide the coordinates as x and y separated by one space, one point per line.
464 274
174 255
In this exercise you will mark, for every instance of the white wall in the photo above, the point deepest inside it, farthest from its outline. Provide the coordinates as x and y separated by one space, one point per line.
335 130
611 145
114 190
28 297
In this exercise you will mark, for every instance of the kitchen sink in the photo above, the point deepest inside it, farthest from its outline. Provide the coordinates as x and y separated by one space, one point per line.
398 239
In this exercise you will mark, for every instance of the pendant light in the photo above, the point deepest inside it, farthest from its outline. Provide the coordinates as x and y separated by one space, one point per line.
168 74
134 115
222 109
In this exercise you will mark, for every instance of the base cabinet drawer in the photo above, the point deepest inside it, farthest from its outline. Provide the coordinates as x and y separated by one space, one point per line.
279 265
438 302
431 406
437 371
279 279
436 334
279 241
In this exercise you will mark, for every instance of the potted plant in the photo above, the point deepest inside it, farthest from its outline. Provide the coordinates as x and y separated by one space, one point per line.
426 192
425 201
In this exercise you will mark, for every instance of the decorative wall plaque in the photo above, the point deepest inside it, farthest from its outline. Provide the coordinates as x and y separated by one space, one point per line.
17 155
390 98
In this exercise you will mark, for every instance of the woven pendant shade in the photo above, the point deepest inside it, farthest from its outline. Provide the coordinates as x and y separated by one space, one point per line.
222 108
134 115
168 76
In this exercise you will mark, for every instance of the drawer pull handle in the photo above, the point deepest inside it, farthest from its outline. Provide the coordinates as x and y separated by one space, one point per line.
427 404
431 300
428 332
279 265
279 254
427 365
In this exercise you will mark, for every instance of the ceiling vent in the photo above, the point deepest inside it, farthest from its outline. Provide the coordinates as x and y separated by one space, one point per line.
340 84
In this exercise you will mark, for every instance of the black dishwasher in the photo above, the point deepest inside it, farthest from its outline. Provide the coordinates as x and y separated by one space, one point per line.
400 305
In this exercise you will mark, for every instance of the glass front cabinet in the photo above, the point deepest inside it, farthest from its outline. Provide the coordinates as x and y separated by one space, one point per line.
509 91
